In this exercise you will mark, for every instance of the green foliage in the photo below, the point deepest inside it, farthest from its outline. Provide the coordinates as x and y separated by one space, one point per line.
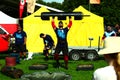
70 5
109 9
39 59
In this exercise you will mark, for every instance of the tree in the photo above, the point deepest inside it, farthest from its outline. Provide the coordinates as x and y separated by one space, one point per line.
109 9
70 5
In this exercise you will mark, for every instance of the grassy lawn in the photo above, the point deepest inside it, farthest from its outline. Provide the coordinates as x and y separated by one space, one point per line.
39 59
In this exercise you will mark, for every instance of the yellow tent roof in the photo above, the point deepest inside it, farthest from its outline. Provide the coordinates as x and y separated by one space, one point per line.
78 35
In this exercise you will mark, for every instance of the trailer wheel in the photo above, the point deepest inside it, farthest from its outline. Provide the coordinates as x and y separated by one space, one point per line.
75 55
91 55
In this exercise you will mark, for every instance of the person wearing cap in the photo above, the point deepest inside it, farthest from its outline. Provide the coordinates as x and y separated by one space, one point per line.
62 44
48 44
111 53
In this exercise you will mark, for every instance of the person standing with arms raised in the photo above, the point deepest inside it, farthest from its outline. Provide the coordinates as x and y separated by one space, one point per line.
62 44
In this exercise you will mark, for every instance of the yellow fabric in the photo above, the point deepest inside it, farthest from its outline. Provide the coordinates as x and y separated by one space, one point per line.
78 35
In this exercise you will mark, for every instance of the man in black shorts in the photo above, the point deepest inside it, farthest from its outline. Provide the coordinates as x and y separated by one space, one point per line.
20 41
48 44
62 44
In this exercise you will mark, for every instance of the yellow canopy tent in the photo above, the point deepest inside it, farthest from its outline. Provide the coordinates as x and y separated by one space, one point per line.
89 27
78 35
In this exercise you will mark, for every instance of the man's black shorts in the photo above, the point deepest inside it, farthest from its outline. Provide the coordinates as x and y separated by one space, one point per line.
20 48
63 48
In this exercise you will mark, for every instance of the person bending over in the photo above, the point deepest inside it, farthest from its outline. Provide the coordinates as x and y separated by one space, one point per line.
48 44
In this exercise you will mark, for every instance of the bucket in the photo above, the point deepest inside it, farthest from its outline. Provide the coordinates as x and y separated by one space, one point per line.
16 55
10 61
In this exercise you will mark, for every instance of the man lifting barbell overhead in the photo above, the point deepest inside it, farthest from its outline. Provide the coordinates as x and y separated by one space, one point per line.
62 44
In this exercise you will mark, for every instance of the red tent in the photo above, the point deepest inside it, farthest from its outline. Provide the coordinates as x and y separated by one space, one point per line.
8 25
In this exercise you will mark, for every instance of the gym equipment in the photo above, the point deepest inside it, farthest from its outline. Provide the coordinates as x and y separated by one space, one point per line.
61 15
85 67
12 72
10 61
38 67
44 75
16 55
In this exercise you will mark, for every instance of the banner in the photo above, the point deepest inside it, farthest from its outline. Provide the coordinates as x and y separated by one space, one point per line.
31 6
21 6
94 1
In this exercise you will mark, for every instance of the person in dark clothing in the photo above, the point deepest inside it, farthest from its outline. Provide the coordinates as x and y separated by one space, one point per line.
118 32
48 44
20 41
116 28
62 44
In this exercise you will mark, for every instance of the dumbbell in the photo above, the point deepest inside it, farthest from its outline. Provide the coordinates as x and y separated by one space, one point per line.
61 15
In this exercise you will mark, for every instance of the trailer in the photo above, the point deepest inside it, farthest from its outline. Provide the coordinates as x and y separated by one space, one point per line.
77 53
82 52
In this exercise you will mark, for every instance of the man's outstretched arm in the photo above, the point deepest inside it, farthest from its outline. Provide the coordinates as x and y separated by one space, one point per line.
53 24
70 23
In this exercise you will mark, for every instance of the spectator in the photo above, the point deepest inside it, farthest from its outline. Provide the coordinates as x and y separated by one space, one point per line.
108 32
111 54
118 33
48 44
20 42
116 28
62 44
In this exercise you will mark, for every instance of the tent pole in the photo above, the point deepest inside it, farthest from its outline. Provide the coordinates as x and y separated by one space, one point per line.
89 6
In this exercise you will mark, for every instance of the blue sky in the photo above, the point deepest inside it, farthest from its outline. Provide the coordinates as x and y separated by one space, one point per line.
59 1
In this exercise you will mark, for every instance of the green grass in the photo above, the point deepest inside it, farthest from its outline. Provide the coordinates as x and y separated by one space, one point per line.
38 59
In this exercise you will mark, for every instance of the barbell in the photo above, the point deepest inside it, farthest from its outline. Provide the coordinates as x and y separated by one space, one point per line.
61 15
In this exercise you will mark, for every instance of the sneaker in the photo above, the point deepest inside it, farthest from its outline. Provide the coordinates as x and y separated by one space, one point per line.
58 65
46 58
63 66
20 58
66 67
55 65
18 62
25 58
